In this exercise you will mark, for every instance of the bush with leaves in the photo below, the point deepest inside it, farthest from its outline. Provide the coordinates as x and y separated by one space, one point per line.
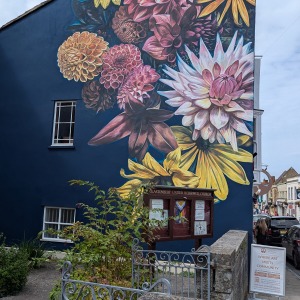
36 253
14 269
102 245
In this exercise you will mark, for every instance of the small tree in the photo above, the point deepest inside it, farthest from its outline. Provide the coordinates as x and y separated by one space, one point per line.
102 245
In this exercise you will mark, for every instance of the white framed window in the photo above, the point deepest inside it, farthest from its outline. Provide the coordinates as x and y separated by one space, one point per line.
57 218
63 123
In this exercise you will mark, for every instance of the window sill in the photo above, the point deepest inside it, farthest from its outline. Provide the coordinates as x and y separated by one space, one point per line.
61 147
56 240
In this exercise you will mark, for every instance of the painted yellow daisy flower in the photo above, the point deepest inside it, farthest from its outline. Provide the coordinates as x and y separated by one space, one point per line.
212 161
105 3
238 8
170 173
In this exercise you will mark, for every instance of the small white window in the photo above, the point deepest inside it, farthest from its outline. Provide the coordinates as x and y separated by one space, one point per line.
57 218
63 123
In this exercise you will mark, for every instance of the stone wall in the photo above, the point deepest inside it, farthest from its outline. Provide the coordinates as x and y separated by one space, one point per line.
230 272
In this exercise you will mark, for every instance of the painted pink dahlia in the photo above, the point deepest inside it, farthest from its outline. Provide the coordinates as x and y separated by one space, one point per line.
138 84
118 62
216 93
142 10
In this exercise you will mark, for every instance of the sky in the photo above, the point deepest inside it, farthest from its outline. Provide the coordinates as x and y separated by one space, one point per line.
278 41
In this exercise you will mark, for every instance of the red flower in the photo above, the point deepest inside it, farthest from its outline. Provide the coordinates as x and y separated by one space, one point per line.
144 124
118 62
142 10
138 84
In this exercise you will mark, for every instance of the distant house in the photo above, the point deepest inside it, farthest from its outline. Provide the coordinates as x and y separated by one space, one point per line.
121 95
283 191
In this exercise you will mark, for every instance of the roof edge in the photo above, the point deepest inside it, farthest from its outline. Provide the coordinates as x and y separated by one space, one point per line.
26 13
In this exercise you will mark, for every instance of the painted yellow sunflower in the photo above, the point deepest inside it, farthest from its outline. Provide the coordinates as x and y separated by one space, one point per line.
238 8
212 161
105 3
170 173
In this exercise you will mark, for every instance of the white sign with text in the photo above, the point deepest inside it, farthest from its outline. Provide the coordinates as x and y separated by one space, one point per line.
267 270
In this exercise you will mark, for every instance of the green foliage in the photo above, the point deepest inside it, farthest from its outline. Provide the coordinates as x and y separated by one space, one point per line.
35 251
102 245
13 269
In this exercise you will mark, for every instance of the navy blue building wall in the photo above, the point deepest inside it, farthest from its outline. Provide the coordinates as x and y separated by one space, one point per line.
32 173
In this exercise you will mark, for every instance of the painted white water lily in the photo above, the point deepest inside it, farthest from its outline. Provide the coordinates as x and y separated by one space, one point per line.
215 93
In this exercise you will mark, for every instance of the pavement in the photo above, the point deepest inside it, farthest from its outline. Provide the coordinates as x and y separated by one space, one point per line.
41 281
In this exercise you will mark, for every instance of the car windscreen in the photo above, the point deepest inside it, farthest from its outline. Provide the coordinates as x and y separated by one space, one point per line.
284 222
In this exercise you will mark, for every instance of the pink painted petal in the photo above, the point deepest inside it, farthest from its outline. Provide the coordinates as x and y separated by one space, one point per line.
188 120
153 47
216 70
201 118
203 103
207 76
233 106
239 126
205 56
196 134
237 53
231 70
194 60
226 100
246 115
218 117
162 19
141 14
186 109
175 102
116 129
216 102
247 96
226 133
219 52
230 48
207 131
158 115
237 94
185 68
161 137
143 151
137 138
220 138
246 104
133 105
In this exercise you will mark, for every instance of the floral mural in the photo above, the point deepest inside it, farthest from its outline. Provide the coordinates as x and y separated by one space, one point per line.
179 74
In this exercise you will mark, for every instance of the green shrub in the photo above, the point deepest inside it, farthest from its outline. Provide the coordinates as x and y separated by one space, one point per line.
102 245
36 253
13 269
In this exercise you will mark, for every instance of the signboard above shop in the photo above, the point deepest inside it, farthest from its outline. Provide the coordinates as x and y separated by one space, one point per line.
188 213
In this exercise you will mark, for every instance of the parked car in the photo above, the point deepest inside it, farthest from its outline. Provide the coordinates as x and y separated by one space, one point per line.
291 242
278 227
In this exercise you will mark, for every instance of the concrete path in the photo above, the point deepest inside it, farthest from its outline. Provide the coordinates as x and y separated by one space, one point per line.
41 281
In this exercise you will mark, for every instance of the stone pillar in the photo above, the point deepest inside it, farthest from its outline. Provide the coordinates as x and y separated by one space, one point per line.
230 273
